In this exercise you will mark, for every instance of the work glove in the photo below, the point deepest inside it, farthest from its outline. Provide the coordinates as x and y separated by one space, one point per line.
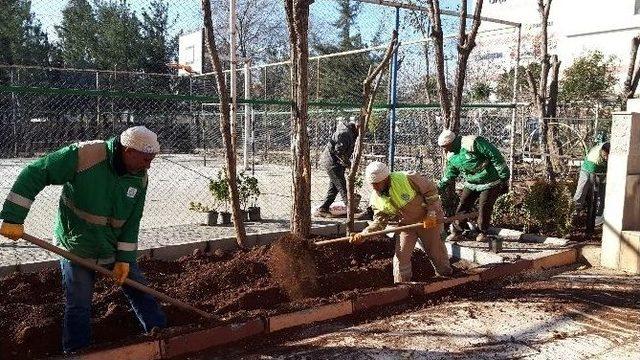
430 221
120 272
435 209
11 231
356 238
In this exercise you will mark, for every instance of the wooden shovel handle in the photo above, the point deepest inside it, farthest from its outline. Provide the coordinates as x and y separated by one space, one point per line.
399 228
134 284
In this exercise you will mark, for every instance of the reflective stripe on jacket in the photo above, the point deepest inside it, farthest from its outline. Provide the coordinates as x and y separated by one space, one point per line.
99 211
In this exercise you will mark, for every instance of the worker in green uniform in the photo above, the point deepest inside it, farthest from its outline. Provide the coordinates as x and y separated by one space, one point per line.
485 173
104 184
594 167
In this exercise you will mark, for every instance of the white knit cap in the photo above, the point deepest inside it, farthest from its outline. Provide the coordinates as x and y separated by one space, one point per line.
376 172
140 138
446 137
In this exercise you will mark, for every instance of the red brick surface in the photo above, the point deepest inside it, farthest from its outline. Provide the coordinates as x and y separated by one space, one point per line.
197 341
321 313
380 297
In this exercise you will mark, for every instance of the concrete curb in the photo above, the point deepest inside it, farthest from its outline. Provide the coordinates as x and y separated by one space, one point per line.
203 339
176 251
515 235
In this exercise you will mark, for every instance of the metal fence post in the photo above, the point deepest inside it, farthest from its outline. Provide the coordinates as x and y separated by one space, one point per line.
394 98
14 117
513 112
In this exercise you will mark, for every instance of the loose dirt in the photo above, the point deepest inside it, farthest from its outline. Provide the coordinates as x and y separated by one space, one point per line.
232 285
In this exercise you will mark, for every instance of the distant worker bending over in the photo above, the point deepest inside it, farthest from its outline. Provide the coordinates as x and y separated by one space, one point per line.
594 167
485 173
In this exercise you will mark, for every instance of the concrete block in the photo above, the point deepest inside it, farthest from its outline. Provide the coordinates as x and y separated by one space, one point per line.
630 252
381 297
226 244
507 234
204 339
590 254
328 230
31 267
173 252
505 270
475 255
268 238
309 316
565 257
449 283
143 351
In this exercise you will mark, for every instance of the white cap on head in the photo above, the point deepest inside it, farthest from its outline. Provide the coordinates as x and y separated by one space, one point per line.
376 172
140 138
446 137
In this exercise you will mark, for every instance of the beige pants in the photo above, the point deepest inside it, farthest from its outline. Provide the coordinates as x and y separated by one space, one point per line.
433 246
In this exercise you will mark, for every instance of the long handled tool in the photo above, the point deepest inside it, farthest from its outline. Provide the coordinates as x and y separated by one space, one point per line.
134 284
398 228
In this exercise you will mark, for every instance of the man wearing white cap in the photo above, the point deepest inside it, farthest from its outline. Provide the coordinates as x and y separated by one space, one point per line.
485 173
409 198
104 184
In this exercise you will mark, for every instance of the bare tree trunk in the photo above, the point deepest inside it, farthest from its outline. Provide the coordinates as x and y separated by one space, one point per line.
539 90
451 101
369 90
555 144
225 124
298 23
633 72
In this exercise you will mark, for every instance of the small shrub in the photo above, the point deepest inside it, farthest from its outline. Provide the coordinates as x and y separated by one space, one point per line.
507 211
548 208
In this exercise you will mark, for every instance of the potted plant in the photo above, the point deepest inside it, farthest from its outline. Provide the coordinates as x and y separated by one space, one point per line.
219 188
251 183
243 193
211 214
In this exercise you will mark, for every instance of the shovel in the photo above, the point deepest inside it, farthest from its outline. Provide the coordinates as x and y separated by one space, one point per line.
398 228
134 284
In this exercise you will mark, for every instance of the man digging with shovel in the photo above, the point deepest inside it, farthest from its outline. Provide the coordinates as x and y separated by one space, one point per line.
103 195
409 198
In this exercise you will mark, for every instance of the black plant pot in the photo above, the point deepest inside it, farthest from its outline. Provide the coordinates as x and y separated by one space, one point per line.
225 218
254 213
212 218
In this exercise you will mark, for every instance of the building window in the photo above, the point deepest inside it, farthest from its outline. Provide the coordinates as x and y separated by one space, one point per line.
636 9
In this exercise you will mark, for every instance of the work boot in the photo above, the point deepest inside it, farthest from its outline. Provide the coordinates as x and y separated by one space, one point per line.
322 213
482 237
454 233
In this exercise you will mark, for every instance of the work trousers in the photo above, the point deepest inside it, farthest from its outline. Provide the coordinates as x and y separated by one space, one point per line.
486 199
337 184
78 284
584 191
432 245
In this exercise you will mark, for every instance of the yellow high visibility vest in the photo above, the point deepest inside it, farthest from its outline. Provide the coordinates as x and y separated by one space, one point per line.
400 194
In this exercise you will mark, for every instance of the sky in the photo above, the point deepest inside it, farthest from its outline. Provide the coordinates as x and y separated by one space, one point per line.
187 15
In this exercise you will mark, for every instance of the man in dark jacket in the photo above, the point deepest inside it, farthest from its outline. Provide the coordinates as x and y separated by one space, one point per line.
335 158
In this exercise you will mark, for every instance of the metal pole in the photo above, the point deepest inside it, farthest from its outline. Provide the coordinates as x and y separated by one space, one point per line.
253 141
514 99
595 125
232 77
394 98
247 113
98 105
14 117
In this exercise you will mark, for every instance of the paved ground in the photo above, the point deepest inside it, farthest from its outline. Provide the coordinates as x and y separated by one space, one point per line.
175 180
579 314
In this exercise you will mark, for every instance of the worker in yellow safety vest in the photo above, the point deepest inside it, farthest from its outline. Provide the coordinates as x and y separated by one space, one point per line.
408 198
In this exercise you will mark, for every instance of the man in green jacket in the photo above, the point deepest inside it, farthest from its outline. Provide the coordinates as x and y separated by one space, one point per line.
593 166
103 194
485 173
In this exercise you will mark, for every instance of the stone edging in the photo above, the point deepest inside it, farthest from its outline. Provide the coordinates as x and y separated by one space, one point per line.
225 334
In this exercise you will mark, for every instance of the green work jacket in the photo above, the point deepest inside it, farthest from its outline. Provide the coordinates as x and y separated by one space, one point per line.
100 206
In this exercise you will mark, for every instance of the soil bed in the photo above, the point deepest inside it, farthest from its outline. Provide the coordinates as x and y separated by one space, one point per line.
234 286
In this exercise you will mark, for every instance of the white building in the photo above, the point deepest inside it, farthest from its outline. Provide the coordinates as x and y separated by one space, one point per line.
576 28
